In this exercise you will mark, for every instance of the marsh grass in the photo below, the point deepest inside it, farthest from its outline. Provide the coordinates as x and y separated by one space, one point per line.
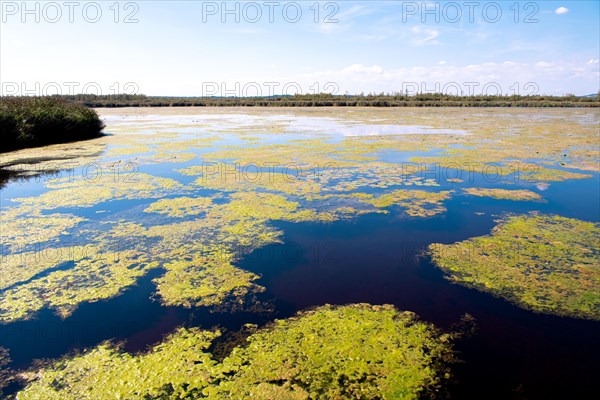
38 121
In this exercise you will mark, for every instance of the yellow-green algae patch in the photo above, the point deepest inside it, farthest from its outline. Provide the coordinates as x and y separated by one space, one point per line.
418 203
354 351
332 352
18 230
240 180
181 206
548 264
29 162
206 279
172 370
504 194
198 255
92 278
90 190
20 267
248 206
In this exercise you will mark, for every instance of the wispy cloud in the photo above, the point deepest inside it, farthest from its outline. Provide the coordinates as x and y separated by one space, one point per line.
561 10
335 21
424 36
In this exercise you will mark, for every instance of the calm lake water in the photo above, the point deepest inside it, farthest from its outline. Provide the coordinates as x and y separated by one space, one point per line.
374 258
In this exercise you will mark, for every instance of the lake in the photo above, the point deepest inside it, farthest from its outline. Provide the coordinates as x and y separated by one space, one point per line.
287 209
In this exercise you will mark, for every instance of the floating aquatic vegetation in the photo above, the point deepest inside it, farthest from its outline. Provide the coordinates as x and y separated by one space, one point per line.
504 194
354 351
206 279
181 206
197 272
376 176
177 368
126 150
19 231
285 154
64 156
241 224
248 233
418 203
548 174
244 205
96 277
165 158
90 190
240 180
198 257
548 264
21 267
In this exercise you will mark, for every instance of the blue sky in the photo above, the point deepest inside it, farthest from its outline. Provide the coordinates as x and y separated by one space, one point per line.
196 48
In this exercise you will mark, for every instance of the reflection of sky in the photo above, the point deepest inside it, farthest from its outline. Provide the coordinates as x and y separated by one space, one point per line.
378 130
295 124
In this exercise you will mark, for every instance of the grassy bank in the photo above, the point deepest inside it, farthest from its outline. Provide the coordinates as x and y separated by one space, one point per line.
328 100
38 121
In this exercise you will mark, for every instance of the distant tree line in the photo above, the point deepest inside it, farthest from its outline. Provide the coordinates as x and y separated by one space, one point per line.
329 100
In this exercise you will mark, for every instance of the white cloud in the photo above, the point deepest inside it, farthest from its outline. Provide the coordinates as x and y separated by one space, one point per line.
361 69
561 10
507 76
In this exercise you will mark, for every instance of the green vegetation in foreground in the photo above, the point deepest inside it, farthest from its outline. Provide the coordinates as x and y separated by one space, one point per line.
548 264
354 351
38 121
504 194
325 100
